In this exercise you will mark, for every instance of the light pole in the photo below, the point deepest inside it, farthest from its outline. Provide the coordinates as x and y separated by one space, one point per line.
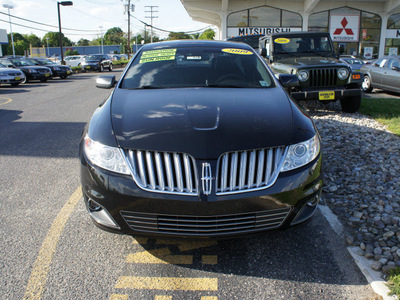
101 32
48 49
63 3
9 6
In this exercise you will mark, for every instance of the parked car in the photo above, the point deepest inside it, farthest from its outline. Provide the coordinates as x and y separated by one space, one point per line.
199 139
97 62
383 74
13 77
57 70
74 60
354 63
31 71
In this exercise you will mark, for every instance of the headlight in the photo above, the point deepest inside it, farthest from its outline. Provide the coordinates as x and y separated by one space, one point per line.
4 74
57 69
301 154
302 75
106 157
342 73
32 71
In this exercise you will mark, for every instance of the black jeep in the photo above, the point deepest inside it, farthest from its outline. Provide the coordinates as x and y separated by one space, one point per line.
311 57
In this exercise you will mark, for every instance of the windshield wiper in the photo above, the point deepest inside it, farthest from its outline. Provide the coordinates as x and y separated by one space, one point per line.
221 85
148 87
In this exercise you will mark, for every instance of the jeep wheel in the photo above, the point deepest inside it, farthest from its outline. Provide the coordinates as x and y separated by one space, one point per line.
351 104
101 68
366 85
110 67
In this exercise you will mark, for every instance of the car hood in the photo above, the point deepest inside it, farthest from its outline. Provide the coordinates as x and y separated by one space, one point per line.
310 61
34 67
203 122
91 61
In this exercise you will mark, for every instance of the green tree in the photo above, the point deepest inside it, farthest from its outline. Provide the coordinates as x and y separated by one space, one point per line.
71 52
54 39
83 42
208 34
33 40
114 36
20 44
178 36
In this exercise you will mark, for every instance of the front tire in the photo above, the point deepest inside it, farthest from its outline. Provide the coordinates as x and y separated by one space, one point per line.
110 67
366 85
351 104
14 84
101 68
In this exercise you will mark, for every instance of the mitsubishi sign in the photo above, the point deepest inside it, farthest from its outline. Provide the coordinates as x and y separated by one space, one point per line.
236 31
344 28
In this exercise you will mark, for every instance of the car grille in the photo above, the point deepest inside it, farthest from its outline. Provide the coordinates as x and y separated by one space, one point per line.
164 172
43 71
64 68
323 77
248 170
206 225
14 74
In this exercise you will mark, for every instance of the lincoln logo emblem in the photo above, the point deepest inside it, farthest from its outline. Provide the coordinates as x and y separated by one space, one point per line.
206 178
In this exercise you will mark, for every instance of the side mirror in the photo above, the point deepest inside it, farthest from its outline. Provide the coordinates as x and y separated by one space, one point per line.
105 81
263 52
288 80
395 68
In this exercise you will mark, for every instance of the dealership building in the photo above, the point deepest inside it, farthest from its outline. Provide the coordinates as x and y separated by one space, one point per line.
366 27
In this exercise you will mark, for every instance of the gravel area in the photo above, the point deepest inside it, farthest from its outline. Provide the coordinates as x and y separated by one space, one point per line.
361 181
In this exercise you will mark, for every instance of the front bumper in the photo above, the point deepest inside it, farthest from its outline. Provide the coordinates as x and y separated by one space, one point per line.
11 79
117 204
91 67
61 73
316 94
38 76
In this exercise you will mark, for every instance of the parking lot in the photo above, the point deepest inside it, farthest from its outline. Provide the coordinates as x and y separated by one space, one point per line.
51 249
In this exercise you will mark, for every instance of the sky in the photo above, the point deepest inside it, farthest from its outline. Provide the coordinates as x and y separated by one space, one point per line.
91 15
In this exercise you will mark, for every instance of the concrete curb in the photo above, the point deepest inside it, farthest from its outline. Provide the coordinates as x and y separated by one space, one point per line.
374 278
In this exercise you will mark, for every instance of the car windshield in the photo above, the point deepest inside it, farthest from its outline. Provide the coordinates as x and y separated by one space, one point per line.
44 61
2 66
93 57
302 44
251 40
21 62
197 67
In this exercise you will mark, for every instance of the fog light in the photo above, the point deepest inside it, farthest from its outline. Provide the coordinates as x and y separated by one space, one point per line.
93 205
100 215
314 201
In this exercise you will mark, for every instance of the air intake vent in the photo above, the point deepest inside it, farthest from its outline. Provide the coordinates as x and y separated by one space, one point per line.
323 77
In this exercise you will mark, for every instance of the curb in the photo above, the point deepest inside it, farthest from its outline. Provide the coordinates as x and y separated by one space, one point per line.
374 278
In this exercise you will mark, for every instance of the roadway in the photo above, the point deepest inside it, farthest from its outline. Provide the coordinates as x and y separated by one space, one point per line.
51 249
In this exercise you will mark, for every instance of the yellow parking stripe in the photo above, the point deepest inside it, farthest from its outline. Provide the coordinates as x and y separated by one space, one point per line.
209 259
8 100
167 283
139 240
209 298
159 256
163 298
118 297
38 278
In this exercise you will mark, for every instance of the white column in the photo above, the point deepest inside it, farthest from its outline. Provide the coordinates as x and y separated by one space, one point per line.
382 41
305 21
223 28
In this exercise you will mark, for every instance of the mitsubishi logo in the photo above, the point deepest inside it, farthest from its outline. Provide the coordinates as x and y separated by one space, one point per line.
206 178
344 24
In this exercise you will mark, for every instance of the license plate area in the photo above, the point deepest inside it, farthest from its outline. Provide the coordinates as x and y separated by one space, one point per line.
327 95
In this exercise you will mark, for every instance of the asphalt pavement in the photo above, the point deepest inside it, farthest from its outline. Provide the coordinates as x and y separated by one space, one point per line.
52 250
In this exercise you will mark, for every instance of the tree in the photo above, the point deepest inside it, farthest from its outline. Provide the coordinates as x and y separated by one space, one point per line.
71 52
114 36
20 44
178 36
33 40
54 39
208 34
83 42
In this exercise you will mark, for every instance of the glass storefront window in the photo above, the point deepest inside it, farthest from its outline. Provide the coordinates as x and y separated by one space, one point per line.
238 19
265 16
291 19
318 21
394 22
369 20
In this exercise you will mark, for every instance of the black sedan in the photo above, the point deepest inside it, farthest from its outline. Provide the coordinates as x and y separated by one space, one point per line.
31 71
383 74
57 70
199 139
97 62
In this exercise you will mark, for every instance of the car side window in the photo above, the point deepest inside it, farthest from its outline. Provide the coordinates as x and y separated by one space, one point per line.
393 63
378 62
382 64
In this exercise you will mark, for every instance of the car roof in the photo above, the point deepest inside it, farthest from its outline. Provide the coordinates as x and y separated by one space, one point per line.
194 43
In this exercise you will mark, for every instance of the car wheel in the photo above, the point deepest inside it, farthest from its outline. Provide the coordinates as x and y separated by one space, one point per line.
110 67
63 77
15 84
351 104
366 85
101 68
43 80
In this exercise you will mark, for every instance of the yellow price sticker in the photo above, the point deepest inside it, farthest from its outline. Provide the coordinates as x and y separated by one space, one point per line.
157 55
281 40
237 51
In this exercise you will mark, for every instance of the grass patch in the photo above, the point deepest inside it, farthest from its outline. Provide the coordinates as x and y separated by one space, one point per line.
394 282
385 111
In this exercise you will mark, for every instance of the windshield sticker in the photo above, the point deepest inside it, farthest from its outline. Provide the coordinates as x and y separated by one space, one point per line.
193 58
281 41
157 55
263 83
237 51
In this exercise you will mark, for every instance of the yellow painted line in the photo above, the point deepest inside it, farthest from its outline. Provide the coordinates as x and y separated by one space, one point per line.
118 297
209 259
167 283
209 298
159 256
37 280
139 240
163 298
8 100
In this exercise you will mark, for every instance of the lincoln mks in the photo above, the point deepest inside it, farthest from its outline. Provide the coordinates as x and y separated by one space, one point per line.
199 139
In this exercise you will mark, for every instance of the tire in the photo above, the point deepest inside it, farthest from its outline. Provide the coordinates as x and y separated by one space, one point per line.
43 80
101 68
110 67
366 85
14 84
63 77
351 104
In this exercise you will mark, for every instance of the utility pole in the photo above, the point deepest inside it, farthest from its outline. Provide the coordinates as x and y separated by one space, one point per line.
128 9
151 17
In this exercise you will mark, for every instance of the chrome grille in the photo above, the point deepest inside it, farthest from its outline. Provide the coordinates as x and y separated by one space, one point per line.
242 171
43 71
166 172
14 74
206 225
323 77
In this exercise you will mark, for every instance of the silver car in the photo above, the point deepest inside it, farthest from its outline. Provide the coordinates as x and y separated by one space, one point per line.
11 76
383 74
